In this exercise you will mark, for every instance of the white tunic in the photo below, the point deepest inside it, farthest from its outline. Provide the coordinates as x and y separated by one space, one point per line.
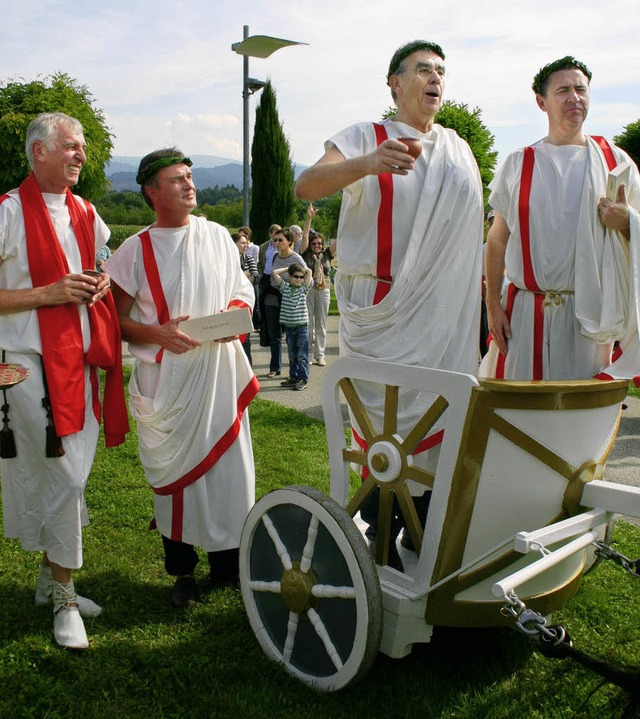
586 270
194 437
43 498
430 317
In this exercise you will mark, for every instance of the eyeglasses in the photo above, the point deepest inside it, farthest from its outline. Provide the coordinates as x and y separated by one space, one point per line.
425 69
298 277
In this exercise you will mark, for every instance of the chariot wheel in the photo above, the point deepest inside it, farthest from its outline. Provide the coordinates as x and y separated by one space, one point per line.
310 587
387 459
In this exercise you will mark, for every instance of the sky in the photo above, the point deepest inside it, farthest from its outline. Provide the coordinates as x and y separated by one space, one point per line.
164 73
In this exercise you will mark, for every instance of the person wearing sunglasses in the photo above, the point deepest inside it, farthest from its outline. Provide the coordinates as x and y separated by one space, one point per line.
294 317
283 257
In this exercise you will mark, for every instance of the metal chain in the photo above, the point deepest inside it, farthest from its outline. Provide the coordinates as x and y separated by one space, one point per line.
530 622
555 643
604 551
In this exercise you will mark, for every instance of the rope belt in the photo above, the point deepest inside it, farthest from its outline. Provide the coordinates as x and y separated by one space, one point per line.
541 300
552 298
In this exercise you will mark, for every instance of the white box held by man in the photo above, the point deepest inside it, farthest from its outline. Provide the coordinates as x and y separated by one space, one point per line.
618 176
223 324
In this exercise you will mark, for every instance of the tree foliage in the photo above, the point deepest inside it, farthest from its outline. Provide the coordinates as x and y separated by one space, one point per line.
469 125
21 102
125 208
629 141
229 194
228 214
326 221
272 177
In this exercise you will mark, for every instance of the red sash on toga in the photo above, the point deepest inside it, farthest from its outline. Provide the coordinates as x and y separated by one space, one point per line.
60 331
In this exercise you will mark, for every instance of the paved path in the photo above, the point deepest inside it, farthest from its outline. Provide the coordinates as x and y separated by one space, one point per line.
623 465
309 400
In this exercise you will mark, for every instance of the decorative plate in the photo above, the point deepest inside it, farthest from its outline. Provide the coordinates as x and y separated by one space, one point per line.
11 374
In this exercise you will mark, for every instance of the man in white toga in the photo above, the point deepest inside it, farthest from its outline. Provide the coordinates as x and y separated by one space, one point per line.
570 310
188 398
409 239
58 320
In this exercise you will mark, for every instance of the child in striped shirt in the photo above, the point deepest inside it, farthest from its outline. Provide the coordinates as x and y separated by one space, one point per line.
294 317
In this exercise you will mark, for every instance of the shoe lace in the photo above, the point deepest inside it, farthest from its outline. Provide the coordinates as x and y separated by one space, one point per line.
64 596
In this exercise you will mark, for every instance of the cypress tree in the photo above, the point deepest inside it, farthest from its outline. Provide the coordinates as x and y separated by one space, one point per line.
272 178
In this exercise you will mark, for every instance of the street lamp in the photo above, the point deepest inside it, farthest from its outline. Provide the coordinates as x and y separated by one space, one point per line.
254 46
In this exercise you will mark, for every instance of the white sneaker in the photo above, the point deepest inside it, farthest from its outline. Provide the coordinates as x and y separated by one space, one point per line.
68 627
321 362
44 592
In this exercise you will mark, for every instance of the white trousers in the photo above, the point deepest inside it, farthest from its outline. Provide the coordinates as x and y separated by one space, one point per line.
43 498
318 306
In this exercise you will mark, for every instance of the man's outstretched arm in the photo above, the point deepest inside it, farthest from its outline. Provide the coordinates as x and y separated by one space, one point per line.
334 171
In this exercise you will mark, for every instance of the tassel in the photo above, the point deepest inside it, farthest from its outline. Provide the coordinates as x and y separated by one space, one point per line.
7 439
53 447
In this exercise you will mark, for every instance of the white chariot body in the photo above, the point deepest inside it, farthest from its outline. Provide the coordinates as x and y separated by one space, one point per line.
518 501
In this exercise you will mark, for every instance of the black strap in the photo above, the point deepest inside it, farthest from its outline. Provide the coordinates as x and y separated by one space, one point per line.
628 679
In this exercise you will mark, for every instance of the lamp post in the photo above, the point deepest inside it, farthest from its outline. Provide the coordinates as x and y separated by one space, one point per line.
254 46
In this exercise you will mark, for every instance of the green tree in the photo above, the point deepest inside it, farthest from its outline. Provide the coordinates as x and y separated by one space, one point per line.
326 221
227 214
629 141
272 178
469 125
125 208
229 194
21 102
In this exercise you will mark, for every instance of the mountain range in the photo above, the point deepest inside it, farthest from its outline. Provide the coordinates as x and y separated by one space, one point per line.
208 171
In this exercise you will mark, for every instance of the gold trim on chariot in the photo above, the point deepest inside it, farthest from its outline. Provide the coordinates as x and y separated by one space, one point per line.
481 420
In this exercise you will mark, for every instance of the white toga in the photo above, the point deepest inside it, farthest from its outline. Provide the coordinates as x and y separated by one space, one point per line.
589 274
430 316
42 498
194 438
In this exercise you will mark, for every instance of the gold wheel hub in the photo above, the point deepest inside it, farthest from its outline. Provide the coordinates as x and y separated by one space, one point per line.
295 589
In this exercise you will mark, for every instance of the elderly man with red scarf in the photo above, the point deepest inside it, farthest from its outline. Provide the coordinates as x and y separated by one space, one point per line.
59 322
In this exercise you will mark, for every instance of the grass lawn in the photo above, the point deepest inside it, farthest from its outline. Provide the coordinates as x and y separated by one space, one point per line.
149 659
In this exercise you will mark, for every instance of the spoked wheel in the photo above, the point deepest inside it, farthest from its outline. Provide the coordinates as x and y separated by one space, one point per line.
310 587
387 460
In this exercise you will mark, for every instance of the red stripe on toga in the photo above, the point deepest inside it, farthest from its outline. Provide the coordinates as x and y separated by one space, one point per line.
606 151
220 447
153 277
385 225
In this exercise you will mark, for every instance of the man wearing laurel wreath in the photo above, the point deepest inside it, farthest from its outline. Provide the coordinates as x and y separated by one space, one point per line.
188 397
571 253
57 320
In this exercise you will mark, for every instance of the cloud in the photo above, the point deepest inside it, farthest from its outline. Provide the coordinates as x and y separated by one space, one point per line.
165 72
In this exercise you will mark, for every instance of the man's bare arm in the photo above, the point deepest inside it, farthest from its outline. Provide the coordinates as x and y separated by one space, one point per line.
167 335
494 274
333 171
311 213
76 289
